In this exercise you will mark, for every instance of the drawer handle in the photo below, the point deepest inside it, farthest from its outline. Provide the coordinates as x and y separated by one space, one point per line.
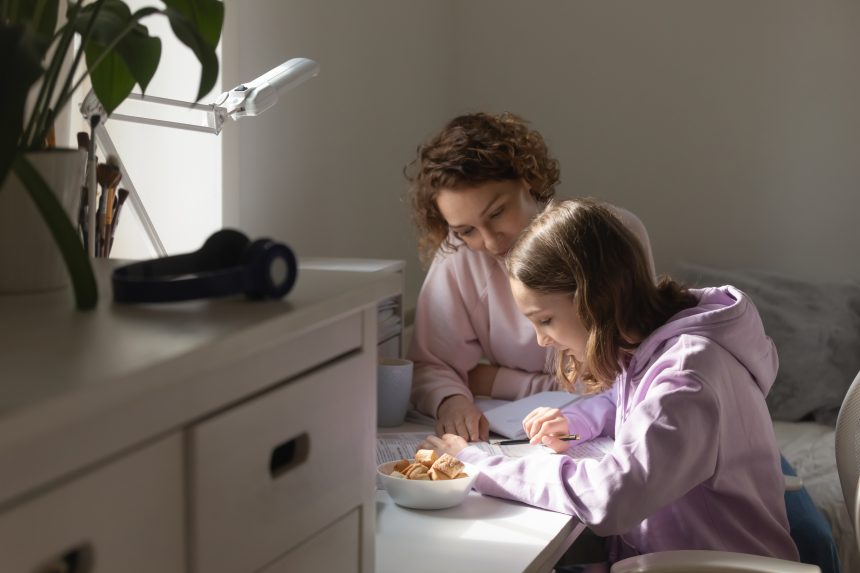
289 455
76 560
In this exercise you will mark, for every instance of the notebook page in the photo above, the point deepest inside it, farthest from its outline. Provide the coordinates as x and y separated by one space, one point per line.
507 419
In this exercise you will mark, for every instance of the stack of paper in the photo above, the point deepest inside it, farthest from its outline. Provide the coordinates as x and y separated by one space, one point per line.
388 319
403 445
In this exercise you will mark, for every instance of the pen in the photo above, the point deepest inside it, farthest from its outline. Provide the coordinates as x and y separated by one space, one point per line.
564 438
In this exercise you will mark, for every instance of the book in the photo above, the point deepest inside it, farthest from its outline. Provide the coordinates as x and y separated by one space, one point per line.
403 445
506 418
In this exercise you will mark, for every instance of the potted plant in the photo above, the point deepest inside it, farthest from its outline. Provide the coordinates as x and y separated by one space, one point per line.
116 52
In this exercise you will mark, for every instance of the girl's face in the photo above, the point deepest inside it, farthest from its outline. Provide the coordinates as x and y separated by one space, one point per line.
488 217
554 318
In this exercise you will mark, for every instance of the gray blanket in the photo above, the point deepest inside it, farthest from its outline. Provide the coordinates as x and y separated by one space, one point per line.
816 329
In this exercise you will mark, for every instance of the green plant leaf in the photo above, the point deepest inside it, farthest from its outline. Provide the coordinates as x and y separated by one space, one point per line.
206 16
187 33
20 61
111 21
140 52
65 235
112 81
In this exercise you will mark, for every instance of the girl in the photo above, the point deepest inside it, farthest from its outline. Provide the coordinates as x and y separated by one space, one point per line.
679 379
475 187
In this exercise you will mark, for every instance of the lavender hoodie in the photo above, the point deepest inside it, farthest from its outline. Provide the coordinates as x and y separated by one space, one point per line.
695 463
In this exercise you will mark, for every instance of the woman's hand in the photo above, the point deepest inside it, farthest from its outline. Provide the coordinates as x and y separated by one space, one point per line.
447 444
481 379
544 423
458 415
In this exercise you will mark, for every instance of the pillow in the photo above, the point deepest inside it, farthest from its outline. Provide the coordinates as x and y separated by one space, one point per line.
816 329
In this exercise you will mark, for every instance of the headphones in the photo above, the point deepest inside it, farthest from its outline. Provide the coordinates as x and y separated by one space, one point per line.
227 263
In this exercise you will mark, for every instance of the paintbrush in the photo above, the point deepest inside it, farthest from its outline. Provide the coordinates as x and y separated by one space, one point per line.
109 209
51 136
107 175
121 196
83 143
91 187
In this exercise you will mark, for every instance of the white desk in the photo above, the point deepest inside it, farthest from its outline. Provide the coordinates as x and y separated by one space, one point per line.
186 437
481 534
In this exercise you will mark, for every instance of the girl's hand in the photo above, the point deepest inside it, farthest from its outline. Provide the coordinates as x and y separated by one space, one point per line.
447 444
458 415
544 423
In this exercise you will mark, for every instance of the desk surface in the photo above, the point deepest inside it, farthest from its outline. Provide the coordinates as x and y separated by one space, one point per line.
481 534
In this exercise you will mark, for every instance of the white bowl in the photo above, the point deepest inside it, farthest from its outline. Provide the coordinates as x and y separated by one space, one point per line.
426 494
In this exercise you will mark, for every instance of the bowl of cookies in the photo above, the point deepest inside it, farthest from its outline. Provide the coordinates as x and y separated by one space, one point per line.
428 481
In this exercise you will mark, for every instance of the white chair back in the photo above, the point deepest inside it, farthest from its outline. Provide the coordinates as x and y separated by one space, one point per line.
855 515
848 452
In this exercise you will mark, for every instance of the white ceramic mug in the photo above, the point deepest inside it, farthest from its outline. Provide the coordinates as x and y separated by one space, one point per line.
393 386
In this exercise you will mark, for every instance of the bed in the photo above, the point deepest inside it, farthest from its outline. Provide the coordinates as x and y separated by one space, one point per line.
816 329
809 448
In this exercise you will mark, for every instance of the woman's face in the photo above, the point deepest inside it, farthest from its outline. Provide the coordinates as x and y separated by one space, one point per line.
490 216
555 319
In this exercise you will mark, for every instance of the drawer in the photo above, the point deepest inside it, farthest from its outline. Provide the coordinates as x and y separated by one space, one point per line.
125 516
267 474
316 555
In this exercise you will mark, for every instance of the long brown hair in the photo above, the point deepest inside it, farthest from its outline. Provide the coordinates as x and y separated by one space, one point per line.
580 248
471 150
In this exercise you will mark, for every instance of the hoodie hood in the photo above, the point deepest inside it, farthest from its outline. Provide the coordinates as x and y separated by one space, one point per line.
726 316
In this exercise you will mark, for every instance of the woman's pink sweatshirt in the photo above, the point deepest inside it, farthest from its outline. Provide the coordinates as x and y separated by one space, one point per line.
694 464
466 312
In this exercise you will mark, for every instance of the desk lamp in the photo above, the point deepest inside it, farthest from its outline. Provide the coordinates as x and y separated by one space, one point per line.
245 100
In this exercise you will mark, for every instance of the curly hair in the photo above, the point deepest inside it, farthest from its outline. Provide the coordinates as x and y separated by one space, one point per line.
471 150
578 247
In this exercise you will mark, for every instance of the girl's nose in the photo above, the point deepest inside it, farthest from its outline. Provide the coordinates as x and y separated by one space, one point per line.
543 340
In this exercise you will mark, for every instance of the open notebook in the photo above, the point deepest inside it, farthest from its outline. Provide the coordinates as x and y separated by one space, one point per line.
506 418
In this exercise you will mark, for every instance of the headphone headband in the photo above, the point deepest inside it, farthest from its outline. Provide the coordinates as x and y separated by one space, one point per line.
226 264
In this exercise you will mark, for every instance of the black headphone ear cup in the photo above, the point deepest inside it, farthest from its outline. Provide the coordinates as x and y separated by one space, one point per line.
270 269
223 249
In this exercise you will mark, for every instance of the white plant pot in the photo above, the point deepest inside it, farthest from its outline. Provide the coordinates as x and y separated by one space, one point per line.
30 260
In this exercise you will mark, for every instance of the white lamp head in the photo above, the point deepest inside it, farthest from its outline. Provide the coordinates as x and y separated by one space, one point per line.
255 97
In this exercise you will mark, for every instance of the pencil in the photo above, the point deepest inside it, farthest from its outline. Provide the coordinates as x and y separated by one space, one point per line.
564 438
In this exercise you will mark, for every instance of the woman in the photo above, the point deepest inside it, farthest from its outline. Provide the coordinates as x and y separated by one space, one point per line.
475 186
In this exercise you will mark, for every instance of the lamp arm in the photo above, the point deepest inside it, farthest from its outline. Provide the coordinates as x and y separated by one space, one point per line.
163 123
249 99
91 106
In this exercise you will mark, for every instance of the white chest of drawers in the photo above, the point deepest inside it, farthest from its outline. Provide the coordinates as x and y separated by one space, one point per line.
208 436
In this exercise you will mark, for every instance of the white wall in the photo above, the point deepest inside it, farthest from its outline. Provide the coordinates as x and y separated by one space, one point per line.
322 170
732 128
